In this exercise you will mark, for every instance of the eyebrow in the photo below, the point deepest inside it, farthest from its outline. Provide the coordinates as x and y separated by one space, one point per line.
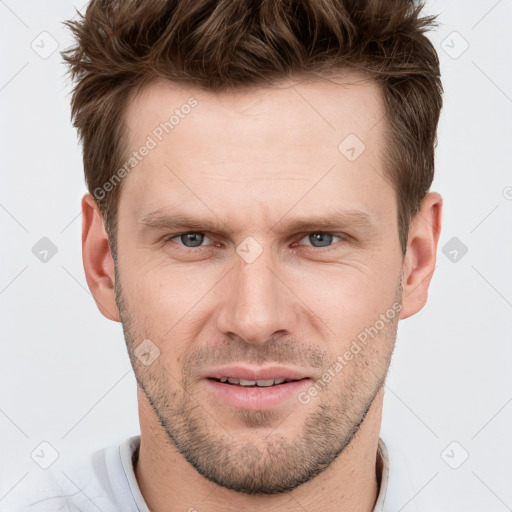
159 220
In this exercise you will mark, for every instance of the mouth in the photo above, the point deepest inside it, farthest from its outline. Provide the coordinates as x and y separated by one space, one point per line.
246 383
255 388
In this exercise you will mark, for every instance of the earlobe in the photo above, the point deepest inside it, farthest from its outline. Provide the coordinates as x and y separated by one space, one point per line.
420 258
97 259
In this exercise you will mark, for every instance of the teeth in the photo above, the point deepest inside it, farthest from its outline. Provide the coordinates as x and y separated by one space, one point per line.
245 382
265 383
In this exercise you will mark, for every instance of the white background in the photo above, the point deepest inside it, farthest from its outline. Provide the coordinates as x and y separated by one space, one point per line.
65 377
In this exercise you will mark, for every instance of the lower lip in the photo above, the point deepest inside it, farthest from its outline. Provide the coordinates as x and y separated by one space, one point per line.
256 398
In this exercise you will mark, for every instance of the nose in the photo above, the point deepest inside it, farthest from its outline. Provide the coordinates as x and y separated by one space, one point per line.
256 303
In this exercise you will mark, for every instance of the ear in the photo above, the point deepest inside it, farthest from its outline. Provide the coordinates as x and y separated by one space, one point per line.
97 258
420 257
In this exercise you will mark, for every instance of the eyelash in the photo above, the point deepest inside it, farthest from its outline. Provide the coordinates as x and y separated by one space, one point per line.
168 239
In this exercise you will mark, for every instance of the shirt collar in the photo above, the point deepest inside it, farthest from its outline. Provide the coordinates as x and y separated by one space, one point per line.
382 475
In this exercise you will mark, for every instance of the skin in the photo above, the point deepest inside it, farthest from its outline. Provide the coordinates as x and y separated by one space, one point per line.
254 161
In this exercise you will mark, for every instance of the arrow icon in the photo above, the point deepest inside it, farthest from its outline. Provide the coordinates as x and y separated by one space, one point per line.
146 352
351 147
455 455
454 249
454 45
44 455
44 250
249 249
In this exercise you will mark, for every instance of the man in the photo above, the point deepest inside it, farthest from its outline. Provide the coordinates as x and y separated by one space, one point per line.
259 219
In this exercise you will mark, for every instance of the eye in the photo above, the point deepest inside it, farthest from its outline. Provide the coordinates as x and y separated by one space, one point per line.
193 239
318 239
190 240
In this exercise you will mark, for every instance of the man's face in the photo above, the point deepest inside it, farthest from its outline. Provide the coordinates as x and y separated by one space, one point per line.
259 282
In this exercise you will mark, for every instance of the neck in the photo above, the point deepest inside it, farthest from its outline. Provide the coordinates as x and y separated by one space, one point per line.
169 483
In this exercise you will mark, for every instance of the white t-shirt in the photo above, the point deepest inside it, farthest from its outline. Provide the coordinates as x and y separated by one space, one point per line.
107 483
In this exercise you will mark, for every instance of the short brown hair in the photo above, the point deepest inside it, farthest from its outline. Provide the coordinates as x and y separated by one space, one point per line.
222 45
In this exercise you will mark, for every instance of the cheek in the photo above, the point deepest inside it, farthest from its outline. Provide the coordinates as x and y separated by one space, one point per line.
167 290
166 306
349 298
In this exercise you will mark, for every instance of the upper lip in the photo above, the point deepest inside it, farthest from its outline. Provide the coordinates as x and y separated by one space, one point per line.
247 373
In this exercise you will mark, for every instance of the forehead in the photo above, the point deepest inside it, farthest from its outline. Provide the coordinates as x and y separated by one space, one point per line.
264 146
308 109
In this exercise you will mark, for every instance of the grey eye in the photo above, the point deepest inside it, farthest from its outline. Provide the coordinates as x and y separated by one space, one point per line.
320 239
191 239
